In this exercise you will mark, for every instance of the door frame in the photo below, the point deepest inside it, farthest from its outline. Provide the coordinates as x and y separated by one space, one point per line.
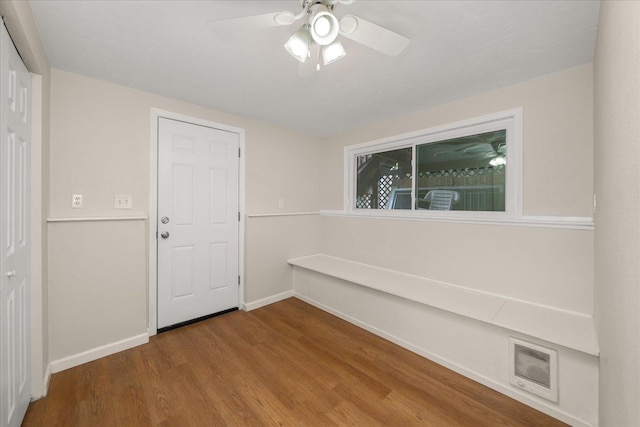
156 115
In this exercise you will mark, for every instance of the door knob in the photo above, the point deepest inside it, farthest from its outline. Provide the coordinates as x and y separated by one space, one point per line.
164 220
165 234
11 274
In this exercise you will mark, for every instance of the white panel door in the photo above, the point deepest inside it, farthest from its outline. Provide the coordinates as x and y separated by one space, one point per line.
198 227
15 301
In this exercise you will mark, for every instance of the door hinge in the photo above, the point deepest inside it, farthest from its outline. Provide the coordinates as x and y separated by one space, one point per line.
238 280
239 150
238 216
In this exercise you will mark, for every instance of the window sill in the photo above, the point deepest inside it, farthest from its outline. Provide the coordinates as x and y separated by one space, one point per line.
574 223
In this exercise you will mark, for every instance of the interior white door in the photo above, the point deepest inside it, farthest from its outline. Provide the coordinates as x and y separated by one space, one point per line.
198 221
15 300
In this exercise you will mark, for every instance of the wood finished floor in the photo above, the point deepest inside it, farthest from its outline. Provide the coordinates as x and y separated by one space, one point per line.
285 364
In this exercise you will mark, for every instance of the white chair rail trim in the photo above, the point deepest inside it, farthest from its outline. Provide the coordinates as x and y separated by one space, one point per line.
564 222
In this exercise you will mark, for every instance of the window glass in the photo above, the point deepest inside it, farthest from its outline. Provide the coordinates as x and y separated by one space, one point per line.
463 174
472 169
384 180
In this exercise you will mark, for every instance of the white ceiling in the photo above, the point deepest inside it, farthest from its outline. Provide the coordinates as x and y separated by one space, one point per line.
458 49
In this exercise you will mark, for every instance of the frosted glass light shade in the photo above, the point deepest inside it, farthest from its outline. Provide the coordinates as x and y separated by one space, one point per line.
298 44
333 52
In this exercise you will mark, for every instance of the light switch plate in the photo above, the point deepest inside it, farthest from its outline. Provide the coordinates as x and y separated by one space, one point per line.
122 201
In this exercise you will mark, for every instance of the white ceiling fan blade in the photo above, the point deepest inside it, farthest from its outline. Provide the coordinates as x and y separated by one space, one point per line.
222 27
373 35
334 2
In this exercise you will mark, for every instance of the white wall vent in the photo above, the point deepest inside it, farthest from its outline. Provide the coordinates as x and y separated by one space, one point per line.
533 368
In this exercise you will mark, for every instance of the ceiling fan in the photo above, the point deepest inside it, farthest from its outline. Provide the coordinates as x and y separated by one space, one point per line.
318 34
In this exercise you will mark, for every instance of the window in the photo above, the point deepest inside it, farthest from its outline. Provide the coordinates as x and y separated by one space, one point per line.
380 176
463 169
466 173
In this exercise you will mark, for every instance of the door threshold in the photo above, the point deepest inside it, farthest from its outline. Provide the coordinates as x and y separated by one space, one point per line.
198 319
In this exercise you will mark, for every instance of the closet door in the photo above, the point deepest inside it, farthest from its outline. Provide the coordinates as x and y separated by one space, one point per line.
15 299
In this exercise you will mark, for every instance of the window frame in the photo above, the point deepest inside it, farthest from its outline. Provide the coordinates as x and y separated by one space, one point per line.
509 120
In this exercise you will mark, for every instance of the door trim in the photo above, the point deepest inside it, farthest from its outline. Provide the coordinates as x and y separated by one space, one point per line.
156 115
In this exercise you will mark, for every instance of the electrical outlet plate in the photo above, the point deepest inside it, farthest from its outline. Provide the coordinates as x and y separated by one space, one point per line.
122 201
76 201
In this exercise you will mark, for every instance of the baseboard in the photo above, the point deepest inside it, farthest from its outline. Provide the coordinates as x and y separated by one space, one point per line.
98 352
499 387
266 301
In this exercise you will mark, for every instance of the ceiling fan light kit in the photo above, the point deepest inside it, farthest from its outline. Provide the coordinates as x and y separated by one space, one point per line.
320 30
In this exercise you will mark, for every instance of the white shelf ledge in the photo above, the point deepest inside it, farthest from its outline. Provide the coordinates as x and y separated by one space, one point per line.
569 329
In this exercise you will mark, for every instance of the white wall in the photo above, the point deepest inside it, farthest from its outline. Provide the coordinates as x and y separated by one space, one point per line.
271 241
551 267
97 292
545 266
617 237
558 139
100 145
100 138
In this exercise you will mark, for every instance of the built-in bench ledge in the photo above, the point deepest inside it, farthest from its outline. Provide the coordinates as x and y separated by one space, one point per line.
569 329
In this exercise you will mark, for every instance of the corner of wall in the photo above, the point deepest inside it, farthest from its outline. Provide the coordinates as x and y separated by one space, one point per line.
617 225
